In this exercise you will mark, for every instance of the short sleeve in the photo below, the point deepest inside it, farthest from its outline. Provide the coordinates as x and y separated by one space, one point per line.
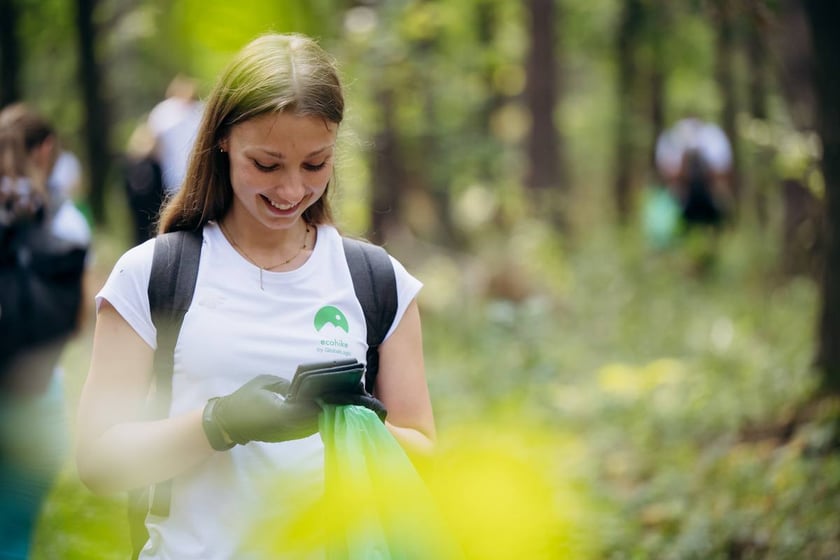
407 289
668 155
127 290
70 225
716 148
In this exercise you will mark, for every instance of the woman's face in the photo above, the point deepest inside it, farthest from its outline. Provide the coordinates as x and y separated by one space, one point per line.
280 164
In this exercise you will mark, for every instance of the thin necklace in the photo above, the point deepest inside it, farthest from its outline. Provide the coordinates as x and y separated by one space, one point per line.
233 242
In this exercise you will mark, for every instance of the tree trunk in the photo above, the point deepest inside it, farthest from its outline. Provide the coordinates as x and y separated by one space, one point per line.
9 53
487 20
791 46
724 22
757 55
788 37
761 175
96 110
428 180
824 18
387 176
658 18
627 38
657 105
544 150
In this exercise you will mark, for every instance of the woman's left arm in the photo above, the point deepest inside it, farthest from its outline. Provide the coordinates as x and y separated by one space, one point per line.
401 386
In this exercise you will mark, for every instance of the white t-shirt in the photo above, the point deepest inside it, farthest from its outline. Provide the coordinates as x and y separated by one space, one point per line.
69 224
693 134
65 177
174 122
233 332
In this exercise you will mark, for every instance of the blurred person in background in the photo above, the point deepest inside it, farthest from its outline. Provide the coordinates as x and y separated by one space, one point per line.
56 168
694 160
174 124
157 154
143 181
692 198
44 241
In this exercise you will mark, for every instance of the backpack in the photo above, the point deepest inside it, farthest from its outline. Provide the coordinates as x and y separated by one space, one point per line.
143 182
171 286
41 291
700 206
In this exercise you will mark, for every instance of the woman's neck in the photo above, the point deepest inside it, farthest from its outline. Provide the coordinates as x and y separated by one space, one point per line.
269 249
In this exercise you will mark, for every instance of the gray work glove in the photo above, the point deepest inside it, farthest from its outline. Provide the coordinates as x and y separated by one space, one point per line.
258 411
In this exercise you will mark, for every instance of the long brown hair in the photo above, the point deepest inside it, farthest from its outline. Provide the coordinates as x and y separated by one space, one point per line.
13 163
23 193
272 73
23 125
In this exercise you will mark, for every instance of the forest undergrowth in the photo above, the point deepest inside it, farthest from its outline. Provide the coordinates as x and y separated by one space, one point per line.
624 403
677 386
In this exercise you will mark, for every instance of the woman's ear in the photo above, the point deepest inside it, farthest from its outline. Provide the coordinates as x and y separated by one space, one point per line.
223 145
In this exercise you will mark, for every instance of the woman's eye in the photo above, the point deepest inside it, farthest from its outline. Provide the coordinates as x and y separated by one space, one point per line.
314 166
262 167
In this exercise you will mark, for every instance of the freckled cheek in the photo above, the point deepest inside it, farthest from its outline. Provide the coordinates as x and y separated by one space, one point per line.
321 180
323 177
248 180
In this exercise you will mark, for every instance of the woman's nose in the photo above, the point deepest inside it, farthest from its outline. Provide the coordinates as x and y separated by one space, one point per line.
290 187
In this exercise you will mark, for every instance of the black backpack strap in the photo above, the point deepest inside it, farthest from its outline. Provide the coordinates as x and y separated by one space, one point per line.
171 287
376 289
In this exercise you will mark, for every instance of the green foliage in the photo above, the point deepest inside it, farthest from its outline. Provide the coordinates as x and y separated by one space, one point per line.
78 526
456 70
207 34
47 30
650 395
676 385
445 73
668 380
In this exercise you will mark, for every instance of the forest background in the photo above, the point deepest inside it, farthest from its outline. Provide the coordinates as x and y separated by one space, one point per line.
597 396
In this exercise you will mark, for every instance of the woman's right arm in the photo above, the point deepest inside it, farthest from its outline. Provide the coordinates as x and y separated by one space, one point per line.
116 448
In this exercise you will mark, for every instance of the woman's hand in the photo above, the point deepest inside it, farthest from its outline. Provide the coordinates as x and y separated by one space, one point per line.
258 411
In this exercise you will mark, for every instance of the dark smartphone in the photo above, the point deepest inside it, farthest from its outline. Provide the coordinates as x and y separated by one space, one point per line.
313 380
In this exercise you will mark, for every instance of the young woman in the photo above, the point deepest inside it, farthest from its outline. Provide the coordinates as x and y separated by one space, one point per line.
271 259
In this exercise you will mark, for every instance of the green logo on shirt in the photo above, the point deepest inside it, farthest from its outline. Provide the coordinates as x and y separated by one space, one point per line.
333 316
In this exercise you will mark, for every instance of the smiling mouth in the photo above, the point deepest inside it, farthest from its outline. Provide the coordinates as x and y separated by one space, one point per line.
283 207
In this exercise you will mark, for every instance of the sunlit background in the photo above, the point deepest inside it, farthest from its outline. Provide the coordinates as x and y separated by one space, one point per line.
599 393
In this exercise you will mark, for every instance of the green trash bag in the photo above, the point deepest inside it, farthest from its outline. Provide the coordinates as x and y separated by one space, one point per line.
374 504
661 217
381 505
